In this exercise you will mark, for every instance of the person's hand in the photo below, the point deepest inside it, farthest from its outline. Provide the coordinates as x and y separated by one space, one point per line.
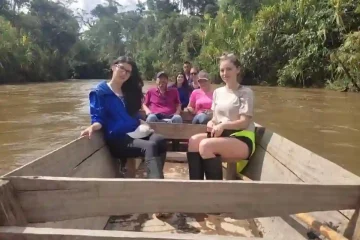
217 130
87 132
209 126
147 112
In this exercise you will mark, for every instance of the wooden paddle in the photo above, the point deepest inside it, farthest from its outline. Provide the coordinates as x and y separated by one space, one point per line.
311 222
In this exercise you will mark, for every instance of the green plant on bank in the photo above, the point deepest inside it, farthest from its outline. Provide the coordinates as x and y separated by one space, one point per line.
304 43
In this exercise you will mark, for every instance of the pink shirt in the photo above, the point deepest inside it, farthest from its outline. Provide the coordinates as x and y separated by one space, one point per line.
162 103
200 101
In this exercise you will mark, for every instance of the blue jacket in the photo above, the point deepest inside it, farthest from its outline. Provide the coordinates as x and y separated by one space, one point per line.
184 95
109 110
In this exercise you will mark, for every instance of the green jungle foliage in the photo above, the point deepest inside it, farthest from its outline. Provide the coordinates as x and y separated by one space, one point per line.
303 43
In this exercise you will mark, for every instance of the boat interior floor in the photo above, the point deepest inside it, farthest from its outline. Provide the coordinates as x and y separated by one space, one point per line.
208 224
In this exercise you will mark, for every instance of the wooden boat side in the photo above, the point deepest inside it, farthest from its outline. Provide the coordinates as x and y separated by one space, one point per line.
87 159
279 159
40 198
30 233
79 158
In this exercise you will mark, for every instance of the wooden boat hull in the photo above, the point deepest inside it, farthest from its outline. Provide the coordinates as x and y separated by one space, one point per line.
183 222
276 159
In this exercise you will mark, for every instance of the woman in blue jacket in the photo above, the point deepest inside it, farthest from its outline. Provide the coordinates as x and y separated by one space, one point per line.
114 108
181 84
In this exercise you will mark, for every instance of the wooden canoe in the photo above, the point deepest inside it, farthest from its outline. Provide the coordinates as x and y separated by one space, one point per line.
86 199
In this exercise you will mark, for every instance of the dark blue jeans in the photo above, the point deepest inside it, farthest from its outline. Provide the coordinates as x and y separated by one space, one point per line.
153 148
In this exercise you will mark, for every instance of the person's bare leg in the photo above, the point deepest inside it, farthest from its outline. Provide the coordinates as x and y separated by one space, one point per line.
213 150
194 141
195 162
224 146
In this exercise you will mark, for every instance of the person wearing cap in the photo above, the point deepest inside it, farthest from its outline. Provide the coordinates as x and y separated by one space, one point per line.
115 110
201 100
162 104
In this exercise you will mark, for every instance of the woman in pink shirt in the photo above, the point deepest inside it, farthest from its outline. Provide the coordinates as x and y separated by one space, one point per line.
201 100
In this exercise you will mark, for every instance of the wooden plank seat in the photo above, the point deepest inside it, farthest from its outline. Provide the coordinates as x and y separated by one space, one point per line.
184 132
186 116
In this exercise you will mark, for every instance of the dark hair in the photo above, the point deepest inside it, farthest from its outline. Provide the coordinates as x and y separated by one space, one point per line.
187 62
132 88
185 84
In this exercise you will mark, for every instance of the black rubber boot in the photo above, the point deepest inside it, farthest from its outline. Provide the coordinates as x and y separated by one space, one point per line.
195 162
213 168
153 168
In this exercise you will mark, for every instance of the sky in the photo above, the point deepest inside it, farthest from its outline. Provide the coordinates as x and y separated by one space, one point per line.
89 5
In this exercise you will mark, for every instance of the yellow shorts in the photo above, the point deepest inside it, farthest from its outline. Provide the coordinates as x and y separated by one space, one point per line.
245 136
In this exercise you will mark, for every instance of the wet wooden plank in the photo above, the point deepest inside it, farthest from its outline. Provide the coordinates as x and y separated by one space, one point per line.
185 130
11 213
352 231
178 131
28 233
92 223
264 167
62 160
99 165
306 165
42 197
176 157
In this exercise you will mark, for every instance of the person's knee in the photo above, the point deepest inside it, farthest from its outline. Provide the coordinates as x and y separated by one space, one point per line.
203 119
193 145
176 119
160 141
205 147
151 149
158 138
195 119
152 118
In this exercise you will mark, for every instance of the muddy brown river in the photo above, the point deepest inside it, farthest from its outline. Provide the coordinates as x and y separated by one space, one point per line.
38 118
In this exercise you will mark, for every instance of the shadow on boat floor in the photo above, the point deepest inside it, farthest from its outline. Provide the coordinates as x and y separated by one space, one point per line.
182 222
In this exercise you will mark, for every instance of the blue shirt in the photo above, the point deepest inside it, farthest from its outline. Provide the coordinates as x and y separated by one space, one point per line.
184 95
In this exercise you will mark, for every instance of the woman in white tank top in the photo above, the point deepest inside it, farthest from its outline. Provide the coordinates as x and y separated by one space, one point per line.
230 131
